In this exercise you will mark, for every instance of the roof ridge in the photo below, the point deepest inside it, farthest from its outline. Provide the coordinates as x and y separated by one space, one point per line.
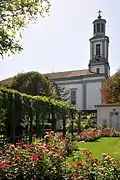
66 71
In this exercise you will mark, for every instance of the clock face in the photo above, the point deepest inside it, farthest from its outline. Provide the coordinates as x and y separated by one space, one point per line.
98 57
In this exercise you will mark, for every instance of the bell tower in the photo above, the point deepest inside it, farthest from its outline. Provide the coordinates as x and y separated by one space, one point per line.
99 45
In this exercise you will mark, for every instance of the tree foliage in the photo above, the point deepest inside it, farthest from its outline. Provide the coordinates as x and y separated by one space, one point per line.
60 93
15 15
111 89
32 83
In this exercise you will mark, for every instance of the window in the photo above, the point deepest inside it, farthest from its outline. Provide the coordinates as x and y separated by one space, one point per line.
103 27
94 29
73 97
98 27
98 70
97 49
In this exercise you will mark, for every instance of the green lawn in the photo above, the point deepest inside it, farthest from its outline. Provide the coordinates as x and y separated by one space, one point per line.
111 146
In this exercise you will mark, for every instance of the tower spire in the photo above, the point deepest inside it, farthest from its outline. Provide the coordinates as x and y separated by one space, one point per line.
99 14
99 45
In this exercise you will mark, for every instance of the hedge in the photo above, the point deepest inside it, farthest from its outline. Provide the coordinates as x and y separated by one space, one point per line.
21 108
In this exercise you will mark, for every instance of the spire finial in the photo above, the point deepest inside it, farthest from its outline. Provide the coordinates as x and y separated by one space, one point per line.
99 16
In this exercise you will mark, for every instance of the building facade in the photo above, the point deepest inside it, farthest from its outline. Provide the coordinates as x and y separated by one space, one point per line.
108 116
84 85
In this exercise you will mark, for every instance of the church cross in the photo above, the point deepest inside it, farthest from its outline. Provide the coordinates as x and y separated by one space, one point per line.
99 12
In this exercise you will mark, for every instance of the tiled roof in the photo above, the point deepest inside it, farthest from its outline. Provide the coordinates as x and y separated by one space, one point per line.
58 75
68 74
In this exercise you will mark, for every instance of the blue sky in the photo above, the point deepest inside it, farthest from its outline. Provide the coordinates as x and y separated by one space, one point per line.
60 41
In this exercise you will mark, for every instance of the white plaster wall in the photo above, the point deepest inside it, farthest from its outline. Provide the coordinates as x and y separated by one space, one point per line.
99 41
92 89
106 47
79 92
93 95
101 67
103 113
108 72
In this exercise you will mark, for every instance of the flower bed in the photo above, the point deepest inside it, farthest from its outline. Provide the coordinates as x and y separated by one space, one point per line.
92 168
110 133
94 134
46 159
88 135
43 159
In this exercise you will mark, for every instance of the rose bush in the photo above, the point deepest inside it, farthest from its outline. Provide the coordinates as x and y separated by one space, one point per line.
92 168
43 159
88 135
46 159
94 134
110 133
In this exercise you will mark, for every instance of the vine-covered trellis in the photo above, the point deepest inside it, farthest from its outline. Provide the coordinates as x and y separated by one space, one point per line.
17 108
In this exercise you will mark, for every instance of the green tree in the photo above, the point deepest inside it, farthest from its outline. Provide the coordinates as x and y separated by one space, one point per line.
32 83
111 89
59 92
15 15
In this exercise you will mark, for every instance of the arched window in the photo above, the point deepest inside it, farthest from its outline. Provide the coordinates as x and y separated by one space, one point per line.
98 27
97 49
103 27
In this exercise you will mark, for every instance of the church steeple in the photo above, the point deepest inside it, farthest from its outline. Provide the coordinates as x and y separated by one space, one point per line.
99 25
99 45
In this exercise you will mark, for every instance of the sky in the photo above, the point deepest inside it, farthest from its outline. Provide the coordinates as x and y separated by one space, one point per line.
60 41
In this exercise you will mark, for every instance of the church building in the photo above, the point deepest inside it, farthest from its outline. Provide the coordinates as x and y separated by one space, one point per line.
84 85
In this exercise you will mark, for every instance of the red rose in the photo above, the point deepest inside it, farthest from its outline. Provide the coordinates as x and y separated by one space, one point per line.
62 137
96 161
8 163
79 164
87 153
21 143
1 166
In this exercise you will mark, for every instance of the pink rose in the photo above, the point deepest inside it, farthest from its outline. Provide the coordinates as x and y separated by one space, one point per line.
57 155
101 169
